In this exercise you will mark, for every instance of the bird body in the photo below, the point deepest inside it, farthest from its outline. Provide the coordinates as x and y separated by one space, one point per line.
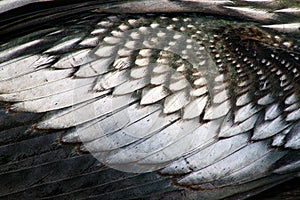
148 99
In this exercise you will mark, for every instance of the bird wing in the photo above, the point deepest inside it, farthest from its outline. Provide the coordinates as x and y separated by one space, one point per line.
209 104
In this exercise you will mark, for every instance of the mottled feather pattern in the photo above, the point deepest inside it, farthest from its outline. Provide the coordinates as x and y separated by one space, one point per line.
209 103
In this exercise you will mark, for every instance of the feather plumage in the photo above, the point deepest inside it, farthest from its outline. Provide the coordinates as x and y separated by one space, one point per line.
200 104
